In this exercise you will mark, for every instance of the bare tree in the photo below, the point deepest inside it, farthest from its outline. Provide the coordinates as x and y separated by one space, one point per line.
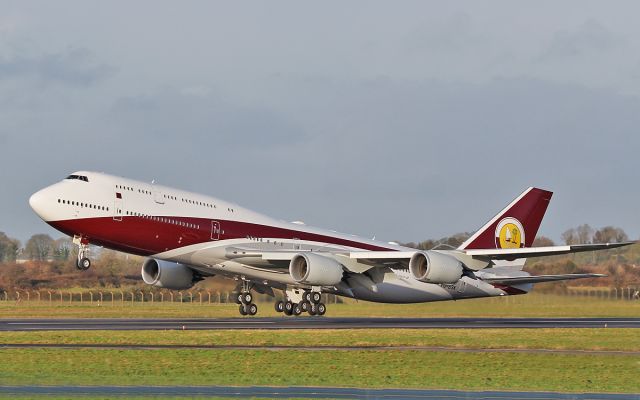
610 234
585 233
570 236
543 241
39 247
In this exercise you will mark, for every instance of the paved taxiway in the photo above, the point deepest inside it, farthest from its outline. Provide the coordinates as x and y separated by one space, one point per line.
295 392
311 323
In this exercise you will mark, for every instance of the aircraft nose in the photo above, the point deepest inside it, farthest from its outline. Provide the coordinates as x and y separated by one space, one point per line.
37 202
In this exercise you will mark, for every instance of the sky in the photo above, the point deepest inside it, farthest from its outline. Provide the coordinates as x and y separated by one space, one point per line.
401 120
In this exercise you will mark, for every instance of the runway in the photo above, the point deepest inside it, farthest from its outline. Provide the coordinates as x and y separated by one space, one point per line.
311 323
294 392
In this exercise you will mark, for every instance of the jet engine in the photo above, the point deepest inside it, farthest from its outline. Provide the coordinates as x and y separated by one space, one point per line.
434 267
315 270
169 275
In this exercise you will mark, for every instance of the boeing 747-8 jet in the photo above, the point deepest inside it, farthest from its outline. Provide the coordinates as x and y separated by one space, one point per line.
187 237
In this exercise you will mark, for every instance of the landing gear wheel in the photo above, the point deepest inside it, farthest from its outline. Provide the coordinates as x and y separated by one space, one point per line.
305 306
297 310
287 312
238 298
252 309
288 308
279 306
84 264
306 296
247 298
316 297
243 310
322 309
313 309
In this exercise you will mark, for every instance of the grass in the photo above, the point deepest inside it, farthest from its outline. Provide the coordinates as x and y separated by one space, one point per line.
409 369
532 305
557 339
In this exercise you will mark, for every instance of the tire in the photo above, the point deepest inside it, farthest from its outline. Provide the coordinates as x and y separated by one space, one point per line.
297 310
316 297
279 306
252 309
322 309
243 310
305 306
288 306
84 264
237 298
313 310
287 312
306 296
247 298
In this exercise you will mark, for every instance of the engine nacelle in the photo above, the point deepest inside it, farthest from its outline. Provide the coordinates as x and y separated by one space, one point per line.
434 267
167 274
315 270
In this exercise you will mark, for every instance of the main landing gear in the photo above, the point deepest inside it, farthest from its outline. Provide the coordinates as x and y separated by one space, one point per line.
83 262
245 299
298 303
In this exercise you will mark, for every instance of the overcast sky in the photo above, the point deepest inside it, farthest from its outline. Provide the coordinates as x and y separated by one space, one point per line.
405 120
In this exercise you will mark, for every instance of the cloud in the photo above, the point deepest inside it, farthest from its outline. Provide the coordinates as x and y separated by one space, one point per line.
202 116
588 39
72 67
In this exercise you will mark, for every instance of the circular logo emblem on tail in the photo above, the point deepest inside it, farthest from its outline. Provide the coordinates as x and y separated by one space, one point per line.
509 234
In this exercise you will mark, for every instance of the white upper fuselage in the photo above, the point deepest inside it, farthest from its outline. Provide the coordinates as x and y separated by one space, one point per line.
111 199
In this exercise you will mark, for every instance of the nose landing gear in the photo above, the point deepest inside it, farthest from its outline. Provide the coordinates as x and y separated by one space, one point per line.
83 262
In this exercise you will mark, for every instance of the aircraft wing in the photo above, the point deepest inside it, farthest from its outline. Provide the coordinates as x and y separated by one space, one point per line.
528 252
360 261
521 280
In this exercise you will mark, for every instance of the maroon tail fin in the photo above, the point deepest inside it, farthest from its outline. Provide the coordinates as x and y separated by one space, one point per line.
515 226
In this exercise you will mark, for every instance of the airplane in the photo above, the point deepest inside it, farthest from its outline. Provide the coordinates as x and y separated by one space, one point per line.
187 237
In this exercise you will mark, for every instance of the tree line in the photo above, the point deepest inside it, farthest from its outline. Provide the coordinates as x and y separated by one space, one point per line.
39 247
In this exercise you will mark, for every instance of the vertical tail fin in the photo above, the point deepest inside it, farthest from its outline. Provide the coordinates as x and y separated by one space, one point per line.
515 226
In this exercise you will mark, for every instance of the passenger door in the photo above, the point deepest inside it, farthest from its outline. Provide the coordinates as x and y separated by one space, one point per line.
215 230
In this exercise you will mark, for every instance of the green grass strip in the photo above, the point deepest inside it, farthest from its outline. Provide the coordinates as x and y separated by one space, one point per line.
406 369
532 305
560 339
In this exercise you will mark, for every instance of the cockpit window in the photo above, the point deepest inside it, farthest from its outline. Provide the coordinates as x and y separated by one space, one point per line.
78 177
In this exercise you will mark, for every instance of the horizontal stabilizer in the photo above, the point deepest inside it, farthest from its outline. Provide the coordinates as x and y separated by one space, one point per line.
521 280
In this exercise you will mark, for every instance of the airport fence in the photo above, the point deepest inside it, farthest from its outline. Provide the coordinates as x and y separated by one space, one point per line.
123 297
